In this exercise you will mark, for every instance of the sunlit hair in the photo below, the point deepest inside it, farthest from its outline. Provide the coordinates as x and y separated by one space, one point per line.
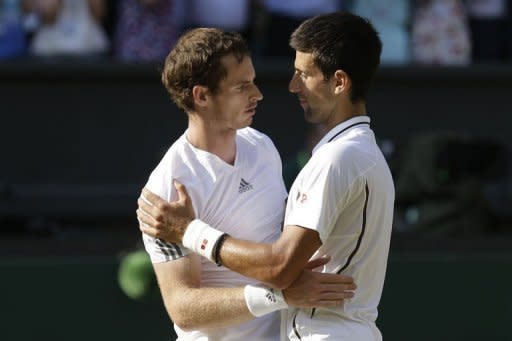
196 60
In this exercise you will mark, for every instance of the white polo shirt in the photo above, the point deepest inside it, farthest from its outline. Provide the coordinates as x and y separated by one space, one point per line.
346 193
245 200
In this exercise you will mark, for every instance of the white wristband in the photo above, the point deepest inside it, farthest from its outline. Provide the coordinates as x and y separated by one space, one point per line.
262 300
201 238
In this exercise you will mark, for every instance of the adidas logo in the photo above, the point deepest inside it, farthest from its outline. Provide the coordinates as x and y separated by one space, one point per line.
270 296
244 186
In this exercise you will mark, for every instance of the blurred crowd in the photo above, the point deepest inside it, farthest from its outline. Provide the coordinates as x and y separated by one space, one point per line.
433 32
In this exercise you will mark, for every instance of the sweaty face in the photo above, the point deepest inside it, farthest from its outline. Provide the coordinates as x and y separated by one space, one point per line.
234 105
316 95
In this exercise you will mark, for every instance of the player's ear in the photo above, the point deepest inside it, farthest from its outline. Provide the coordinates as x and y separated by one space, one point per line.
342 82
199 93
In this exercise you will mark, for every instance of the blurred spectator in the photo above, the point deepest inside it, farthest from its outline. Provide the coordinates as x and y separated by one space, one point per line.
440 33
391 19
225 14
12 34
491 29
68 27
282 17
147 29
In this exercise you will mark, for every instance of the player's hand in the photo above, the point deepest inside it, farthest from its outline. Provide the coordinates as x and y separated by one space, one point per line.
316 289
165 220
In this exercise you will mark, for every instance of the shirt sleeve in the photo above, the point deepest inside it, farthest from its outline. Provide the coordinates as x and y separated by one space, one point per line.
160 183
319 194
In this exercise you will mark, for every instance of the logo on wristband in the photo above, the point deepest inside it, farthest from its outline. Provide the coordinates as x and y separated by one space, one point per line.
204 243
270 296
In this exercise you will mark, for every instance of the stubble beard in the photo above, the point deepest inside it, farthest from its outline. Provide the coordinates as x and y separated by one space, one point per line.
309 115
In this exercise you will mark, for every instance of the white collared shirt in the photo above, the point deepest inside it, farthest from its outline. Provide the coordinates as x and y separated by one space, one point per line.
245 200
346 193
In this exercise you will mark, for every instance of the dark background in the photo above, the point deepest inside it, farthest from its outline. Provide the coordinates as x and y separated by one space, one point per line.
88 134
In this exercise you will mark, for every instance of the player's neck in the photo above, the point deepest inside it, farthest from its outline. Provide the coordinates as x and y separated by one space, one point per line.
207 137
345 112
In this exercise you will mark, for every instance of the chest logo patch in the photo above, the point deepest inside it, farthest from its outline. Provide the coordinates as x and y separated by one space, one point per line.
301 197
244 186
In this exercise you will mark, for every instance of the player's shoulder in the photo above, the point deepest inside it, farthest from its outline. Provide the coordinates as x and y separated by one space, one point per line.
254 137
356 153
178 145
181 148
174 156
252 134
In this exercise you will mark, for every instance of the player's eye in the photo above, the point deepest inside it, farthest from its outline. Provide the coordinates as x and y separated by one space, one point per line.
301 74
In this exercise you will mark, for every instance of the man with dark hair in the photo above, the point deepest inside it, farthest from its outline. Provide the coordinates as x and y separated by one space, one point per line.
233 175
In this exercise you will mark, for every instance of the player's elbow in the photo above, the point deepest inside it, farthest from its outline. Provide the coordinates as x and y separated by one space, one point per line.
185 325
281 275
181 315
184 321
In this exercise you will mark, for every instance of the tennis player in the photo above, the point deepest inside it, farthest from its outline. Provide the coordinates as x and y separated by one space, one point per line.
341 203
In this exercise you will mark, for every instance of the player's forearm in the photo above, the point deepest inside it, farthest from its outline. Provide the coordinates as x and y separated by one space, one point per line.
206 308
277 264
268 263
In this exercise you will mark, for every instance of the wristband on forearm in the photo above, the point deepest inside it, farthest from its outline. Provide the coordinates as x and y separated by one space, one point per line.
202 239
262 300
216 249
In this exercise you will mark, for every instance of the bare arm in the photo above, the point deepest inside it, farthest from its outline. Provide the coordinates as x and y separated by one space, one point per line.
192 307
277 264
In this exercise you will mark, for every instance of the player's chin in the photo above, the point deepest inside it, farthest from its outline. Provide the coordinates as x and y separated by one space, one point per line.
245 123
249 116
309 117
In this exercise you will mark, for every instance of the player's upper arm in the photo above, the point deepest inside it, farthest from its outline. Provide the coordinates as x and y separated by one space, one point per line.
174 278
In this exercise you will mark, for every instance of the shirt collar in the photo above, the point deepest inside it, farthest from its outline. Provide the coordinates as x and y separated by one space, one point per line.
341 128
